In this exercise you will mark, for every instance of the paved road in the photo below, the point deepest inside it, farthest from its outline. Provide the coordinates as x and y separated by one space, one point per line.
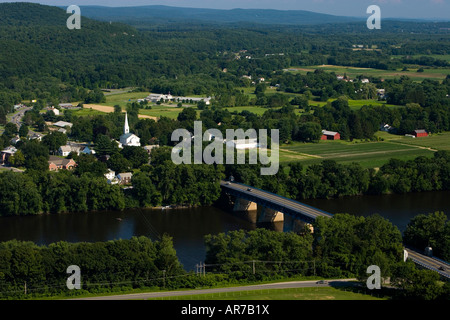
429 263
280 285
287 203
17 117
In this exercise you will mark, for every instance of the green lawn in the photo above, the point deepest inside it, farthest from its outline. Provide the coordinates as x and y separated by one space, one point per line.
319 293
164 111
368 154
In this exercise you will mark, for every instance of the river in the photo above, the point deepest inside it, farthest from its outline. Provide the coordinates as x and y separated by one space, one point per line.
189 226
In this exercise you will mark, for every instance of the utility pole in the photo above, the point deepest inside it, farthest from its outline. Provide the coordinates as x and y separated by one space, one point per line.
253 261
25 288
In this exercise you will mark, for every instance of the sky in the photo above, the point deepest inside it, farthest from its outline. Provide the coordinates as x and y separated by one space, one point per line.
416 9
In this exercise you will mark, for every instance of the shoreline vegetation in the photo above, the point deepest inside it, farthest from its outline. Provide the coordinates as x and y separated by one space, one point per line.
233 258
165 185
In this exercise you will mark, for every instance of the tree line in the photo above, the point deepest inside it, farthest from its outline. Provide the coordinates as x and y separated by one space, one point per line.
330 179
340 247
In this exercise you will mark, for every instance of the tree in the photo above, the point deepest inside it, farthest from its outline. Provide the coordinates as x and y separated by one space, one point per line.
429 230
23 131
54 140
144 190
415 283
188 114
118 163
17 159
137 156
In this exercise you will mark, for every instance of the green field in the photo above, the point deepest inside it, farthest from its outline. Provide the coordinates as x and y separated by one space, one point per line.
352 72
437 141
368 154
319 293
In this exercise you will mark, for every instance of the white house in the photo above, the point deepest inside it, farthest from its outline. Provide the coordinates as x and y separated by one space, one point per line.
63 124
111 177
64 151
127 138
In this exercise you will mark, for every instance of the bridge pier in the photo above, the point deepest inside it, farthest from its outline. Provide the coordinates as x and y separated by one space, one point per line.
270 215
295 225
244 205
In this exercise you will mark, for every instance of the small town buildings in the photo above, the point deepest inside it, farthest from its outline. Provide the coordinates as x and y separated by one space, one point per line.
36 135
150 147
6 154
64 151
330 135
420 133
15 140
54 110
111 177
55 164
127 138
63 124
124 177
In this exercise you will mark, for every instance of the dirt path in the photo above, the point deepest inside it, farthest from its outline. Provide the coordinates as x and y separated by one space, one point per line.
111 109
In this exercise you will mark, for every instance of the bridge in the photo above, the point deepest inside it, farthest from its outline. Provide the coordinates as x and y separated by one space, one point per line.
273 207
431 263
278 208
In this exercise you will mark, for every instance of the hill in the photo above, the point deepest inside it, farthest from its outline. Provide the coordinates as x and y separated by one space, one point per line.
143 14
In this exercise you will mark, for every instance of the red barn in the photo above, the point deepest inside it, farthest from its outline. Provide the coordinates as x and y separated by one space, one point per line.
330 135
420 133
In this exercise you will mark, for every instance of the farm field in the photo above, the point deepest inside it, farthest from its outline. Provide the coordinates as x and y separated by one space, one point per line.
437 141
367 154
352 72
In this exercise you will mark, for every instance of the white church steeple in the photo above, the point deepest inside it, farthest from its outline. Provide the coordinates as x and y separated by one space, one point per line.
126 128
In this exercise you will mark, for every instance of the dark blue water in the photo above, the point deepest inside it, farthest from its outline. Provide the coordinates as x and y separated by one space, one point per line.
189 226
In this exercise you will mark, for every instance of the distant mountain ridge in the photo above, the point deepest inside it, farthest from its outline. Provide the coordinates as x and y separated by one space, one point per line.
159 13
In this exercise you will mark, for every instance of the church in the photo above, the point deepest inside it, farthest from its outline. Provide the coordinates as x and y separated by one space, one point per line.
127 138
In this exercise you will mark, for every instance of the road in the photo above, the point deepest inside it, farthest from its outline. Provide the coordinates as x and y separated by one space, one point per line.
429 263
280 285
17 117
287 203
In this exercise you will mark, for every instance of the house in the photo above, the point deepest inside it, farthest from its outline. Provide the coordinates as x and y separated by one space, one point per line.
111 177
54 110
55 164
87 150
420 133
6 154
63 124
330 135
386 128
150 147
15 140
127 138
66 105
64 151
37 136
365 80
124 177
